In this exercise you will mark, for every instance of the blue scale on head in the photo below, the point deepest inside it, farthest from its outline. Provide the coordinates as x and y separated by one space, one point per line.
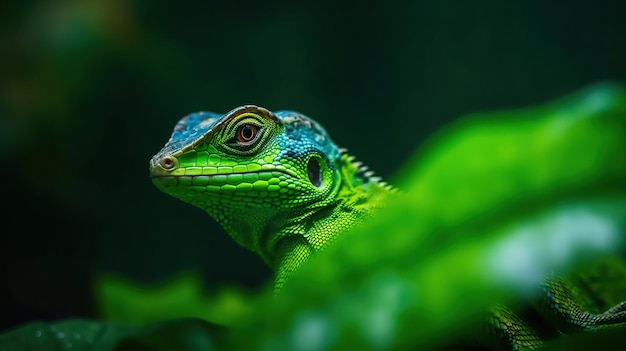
304 130
194 126
188 130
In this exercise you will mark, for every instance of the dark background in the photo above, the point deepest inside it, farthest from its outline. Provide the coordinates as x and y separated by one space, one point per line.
90 90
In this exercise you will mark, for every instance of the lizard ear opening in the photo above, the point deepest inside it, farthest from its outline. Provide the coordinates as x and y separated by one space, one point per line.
314 171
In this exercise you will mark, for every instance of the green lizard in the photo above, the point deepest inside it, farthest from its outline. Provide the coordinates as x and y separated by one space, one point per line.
278 184
275 182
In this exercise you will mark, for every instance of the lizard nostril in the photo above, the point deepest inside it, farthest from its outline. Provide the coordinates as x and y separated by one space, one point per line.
167 162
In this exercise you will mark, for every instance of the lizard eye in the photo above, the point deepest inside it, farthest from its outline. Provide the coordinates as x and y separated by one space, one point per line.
246 133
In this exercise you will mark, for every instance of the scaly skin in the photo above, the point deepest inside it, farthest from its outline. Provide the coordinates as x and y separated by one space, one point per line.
280 187
275 182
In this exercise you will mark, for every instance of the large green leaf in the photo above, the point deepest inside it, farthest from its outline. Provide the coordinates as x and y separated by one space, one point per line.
489 205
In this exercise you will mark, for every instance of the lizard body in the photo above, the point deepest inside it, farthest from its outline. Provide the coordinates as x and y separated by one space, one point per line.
279 186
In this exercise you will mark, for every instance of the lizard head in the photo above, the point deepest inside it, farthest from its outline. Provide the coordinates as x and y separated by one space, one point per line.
250 169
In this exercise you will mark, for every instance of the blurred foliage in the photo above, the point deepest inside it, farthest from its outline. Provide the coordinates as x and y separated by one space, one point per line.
437 260
490 204
185 296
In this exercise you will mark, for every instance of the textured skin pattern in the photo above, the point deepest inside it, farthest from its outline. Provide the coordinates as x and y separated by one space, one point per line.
560 310
279 186
508 331
559 313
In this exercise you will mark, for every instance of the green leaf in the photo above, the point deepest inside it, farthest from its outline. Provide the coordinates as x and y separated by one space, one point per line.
74 334
78 334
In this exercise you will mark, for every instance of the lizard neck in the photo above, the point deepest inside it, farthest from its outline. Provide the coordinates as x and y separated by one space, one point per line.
357 196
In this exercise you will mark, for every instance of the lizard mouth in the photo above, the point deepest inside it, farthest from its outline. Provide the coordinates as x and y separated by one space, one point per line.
261 180
168 167
269 178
